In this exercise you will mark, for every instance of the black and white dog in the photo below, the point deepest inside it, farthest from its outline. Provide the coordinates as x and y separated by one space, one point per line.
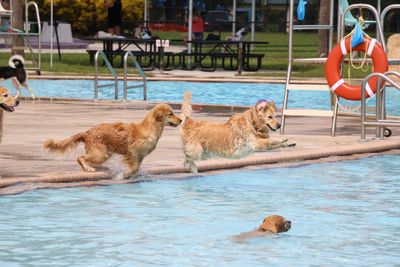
17 73
240 35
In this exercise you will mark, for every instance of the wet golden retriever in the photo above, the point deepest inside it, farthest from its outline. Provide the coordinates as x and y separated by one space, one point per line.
7 103
134 141
272 224
242 134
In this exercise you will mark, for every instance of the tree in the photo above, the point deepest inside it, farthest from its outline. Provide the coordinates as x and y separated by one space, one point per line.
17 15
89 12
324 11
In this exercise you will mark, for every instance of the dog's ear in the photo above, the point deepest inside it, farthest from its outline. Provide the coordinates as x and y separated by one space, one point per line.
271 104
159 115
261 105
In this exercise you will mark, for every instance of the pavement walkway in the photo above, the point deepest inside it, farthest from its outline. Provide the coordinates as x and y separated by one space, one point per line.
26 166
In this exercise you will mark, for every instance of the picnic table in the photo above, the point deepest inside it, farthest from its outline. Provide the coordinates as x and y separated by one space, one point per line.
146 51
235 55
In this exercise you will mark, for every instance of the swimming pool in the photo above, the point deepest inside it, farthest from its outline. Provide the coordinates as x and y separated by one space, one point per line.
203 92
343 214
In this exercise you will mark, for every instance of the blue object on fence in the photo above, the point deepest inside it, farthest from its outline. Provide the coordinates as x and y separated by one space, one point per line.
301 9
358 35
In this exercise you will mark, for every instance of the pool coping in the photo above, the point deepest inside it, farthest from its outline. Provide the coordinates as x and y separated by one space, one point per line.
11 186
190 78
72 179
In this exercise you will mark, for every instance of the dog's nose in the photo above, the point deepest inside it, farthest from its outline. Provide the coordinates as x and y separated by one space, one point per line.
278 126
16 102
288 224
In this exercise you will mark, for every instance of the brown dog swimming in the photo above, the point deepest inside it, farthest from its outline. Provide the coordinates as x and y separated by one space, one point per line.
272 224
134 141
241 135
7 103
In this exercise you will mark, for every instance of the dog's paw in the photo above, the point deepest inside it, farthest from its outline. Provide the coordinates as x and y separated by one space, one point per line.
89 169
291 145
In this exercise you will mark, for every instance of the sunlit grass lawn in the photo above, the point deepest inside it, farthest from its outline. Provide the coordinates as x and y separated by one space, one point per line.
274 63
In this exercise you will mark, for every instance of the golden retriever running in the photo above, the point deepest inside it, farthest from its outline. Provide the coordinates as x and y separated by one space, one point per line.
7 103
272 224
132 140
242 134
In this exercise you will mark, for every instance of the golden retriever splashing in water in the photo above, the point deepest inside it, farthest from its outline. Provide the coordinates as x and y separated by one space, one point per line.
134 141
242 134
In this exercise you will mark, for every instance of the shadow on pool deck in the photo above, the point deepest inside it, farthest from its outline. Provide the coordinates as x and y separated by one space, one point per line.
26 166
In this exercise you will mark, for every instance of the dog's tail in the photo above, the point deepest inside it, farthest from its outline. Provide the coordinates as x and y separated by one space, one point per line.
186 107
16 61
64 145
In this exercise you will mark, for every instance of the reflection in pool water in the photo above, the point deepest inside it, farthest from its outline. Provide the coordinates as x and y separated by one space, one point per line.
203 92
343 214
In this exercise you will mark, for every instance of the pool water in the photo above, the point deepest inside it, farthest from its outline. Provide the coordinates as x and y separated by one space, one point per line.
203 92
343 214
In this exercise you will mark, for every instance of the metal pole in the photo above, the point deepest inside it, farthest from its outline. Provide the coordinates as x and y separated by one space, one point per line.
290 62
145 13
385 11
253 18
377 19
364 123
126 75
331 24
96 75
189 44
51 34
234 18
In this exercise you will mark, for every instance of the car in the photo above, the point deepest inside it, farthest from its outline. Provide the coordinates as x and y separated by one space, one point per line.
218 21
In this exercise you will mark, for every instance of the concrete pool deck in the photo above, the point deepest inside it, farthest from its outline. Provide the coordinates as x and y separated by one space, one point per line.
26 166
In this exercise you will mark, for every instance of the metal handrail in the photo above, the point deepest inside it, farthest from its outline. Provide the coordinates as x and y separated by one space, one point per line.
139 69
291 60
34 4
380 106
377 19
386 10
96 75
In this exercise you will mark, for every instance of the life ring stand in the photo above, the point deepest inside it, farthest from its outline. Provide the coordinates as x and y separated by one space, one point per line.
333 65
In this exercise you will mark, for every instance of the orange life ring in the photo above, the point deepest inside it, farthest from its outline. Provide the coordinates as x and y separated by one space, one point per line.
333 63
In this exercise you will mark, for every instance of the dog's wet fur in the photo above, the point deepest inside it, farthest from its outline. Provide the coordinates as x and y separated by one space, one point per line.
241 135
134 141
273 224
7 104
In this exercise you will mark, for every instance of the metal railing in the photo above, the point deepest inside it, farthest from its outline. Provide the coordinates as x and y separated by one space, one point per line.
380 118
37 65
377 19
143 84
96 75
386 10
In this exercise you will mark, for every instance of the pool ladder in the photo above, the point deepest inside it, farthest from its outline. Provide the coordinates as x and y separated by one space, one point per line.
115 75
380 121
141 73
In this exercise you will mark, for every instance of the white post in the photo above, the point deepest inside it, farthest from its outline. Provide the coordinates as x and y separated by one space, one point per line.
190 25
253 18
145 14
234 18
51 34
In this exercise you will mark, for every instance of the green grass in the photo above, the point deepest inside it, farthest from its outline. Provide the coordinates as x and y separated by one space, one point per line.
274 63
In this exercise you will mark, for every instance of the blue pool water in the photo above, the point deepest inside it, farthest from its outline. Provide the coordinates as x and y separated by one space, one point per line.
343 214
211 93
